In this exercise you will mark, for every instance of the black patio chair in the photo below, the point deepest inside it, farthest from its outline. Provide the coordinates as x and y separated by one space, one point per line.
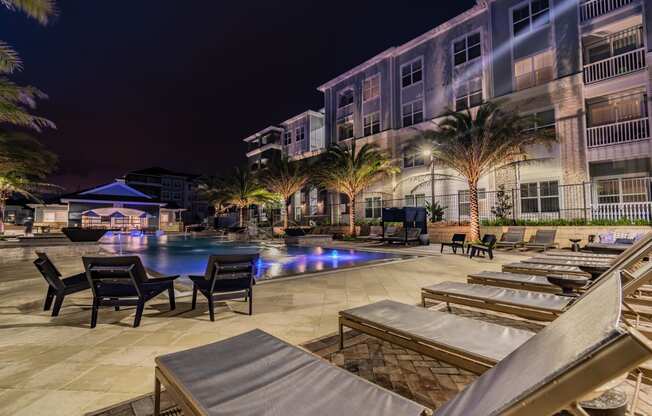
58 287
457 242
486 246
123 281
226 274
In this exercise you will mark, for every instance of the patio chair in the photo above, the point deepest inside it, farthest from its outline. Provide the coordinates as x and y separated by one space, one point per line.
257 374
512 239
401 237
542 240
123 281
58 287
226 275
390 231
486 246
457 242
522 373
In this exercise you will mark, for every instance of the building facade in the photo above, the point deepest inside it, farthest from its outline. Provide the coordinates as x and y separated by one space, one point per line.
580 66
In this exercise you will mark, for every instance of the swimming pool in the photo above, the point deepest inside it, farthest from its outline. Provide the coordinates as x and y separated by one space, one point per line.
187 255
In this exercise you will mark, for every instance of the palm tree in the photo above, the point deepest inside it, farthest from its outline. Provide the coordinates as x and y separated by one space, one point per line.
211 188
350 172
241 189
16 101
474 145
285 178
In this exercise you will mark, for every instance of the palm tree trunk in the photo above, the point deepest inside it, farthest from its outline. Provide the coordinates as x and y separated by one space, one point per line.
352 216
242 216
3 204
474 211
287 214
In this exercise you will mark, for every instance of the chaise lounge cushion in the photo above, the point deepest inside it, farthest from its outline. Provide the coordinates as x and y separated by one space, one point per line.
529 279
517 297
258 374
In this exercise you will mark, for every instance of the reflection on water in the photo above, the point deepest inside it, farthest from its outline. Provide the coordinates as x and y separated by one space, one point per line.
187 255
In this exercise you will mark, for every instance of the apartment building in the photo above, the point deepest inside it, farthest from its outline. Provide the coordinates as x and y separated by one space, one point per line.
580 66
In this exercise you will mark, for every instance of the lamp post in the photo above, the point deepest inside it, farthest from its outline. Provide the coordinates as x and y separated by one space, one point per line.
429 152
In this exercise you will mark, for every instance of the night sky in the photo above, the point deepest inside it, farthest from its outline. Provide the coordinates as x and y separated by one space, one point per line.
179 84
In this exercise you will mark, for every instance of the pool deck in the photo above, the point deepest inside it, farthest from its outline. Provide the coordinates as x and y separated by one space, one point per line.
58 366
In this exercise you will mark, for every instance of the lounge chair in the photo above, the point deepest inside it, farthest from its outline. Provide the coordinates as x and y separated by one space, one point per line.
257 374
413 235
458 241
58 287
528 304
542 240
589 266
486 246
390 231
512 239
544 269
522 374
123 281
226 274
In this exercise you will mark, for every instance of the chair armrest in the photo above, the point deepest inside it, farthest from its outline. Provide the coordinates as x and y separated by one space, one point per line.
161 279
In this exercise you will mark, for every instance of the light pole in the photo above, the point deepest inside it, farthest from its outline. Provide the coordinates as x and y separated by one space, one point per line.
429 152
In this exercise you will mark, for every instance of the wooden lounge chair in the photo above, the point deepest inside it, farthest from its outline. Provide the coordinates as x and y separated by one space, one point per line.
226 274
123 281
58 287
594 268
544 269
458 241
522 374
257 374
542 240
486 246
512 239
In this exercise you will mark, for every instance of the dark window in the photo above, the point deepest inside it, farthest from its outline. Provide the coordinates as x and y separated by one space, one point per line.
467 49
371 124
411 73
412 113
346 98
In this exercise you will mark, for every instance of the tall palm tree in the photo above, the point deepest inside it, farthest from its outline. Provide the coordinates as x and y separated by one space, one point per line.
475 144
242 189
350 171
16 101
211 189
285 178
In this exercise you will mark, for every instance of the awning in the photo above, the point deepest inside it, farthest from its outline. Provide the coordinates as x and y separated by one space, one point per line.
116 213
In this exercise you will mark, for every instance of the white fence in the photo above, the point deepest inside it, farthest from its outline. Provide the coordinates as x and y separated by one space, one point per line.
622 132
615 66
594 8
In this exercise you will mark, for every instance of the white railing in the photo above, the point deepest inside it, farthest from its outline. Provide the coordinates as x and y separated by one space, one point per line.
623 132
594 8
629 210
615 66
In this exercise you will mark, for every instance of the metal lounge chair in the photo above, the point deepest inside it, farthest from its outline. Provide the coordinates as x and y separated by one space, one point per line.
523 374
257 374
123 281
226 274
512 239
542 240
58 287
456 242
486 246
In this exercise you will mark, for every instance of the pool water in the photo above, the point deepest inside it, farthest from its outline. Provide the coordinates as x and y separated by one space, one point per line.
179 255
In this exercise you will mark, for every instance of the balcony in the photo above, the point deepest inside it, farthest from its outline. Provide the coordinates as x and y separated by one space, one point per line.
615 66
591 9
617 133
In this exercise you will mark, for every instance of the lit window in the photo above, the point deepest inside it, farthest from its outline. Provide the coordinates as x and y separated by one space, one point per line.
468 94
371 88
373 207
533 70
412 158
299 133
345 128
411 73
346 98
371 124
530 15
616 108
412 113
467 49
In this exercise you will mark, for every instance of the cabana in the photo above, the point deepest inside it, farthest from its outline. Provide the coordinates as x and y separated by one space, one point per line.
115 218
412 218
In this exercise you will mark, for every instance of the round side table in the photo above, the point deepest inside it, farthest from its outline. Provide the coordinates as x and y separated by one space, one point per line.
575 246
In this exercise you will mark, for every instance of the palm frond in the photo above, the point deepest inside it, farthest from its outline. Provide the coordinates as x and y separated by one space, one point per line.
41 10
9 59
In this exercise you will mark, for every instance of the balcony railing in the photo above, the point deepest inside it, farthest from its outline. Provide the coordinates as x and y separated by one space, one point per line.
622 132
615 66
594 8
617 211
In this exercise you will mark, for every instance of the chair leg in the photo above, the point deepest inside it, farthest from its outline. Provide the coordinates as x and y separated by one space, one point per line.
491 254
442 249
194 297
139 312
94 308
211 307
57 304
49 297
173 304
250 292
117 305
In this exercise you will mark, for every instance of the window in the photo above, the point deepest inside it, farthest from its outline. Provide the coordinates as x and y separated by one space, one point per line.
299 134
623 190
371 88
416 200
412 113
465 202
287 137
468 94
371 124
530 15
540 197
467 49
533 70
542 120
411 73
345 128
616 108
345 98
412 158
49 216
373 207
